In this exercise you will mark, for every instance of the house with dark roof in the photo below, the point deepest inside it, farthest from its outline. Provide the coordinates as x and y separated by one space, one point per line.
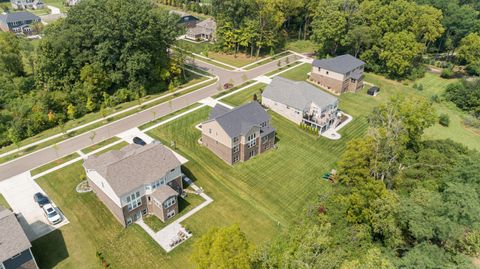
339 74
18 22
302 103
27 4
238 134
204 30
15 247
136 181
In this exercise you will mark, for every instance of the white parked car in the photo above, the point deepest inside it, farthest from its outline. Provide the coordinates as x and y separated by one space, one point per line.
52 214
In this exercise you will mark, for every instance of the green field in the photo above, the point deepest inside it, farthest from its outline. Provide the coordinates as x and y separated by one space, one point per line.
262 196
205 49
361 104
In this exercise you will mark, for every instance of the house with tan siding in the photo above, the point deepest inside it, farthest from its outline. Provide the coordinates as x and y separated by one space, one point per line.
236 135
302 103
15 247
339 74
136 181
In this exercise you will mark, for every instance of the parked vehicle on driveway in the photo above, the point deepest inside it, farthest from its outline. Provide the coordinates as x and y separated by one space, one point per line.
52 214
41 199
137 140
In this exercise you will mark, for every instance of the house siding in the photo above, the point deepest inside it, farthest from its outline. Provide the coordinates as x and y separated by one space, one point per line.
284 110
335 82
111 205
224 152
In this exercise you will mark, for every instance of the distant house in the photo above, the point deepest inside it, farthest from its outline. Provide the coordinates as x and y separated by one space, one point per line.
15 247
136 181
186 19
236 135
302 103
204 30
18 22
72 2
339 74
27 4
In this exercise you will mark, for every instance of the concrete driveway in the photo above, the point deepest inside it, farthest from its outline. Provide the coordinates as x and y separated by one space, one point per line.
19 191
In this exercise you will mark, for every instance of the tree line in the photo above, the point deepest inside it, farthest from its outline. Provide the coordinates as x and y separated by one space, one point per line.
393 37
397 202
104 53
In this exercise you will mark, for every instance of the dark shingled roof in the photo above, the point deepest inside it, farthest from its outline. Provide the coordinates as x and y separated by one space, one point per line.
18 16
297 94
133 166
340 64
12 237
240 120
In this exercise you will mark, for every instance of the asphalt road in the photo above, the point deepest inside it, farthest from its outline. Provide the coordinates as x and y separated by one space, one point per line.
46 155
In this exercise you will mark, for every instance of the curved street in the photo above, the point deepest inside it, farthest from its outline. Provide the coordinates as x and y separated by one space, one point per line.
70 145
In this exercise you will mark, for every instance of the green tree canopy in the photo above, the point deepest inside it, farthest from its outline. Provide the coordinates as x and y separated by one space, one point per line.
225 247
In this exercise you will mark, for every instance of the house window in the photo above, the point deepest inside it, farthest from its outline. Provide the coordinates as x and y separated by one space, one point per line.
327 72
173 170
209 131
169 202
144 212
235 139
236 148
263 124
264 139
251 140
170 213
129 221
236 158
134 201
252 153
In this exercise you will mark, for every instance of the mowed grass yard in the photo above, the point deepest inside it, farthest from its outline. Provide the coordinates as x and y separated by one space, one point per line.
239 60
360 104
93 228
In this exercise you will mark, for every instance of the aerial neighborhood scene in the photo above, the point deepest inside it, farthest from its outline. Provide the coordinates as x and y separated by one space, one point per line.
239 134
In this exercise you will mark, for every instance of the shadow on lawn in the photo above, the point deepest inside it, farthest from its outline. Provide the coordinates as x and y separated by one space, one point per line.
50 249
189 174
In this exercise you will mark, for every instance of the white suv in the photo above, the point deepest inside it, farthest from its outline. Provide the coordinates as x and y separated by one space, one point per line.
51 214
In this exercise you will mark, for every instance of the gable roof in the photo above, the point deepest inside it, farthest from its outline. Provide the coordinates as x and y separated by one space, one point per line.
18 16
133 166
12 237
240 120
297 94
341 64
163 193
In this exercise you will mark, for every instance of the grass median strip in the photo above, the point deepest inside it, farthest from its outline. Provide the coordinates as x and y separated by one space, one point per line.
114 147
166 117
268 60
51 165
101 144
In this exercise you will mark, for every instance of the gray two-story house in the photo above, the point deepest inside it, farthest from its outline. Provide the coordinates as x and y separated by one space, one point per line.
302 103
15 247
339 74
236 135
136 181
18 22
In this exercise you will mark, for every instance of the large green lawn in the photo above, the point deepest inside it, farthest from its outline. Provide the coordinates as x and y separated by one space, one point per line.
360 104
